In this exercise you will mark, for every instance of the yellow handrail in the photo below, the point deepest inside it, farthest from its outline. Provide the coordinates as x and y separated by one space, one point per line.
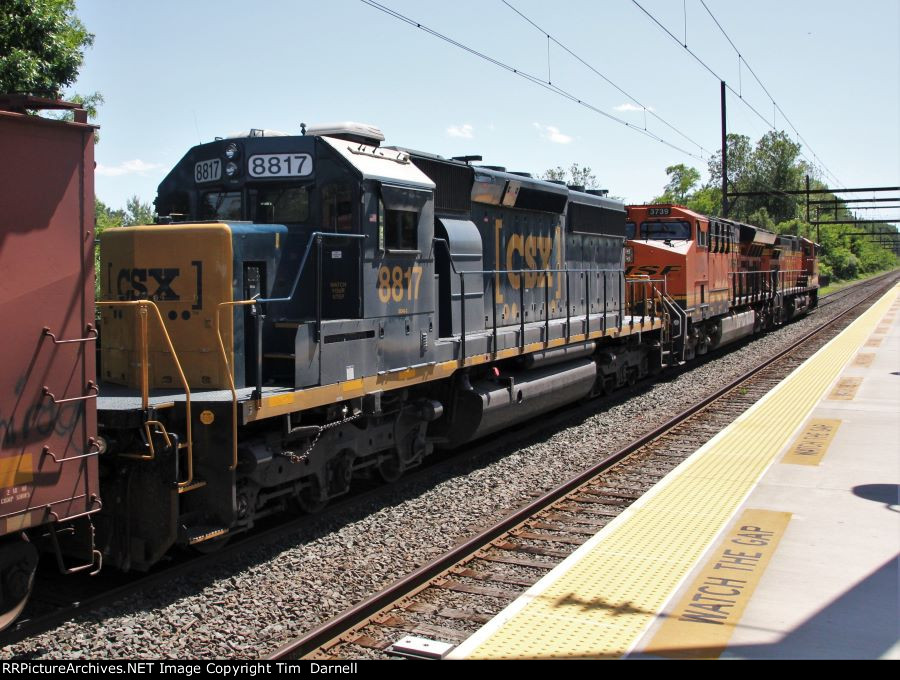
143 306
228 373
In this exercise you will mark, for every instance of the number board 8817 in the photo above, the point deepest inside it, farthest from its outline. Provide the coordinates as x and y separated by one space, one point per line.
280 165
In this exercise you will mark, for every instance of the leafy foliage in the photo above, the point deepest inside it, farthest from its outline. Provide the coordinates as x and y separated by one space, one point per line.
90 103
42 46
681 180
771 167
575 175
135 212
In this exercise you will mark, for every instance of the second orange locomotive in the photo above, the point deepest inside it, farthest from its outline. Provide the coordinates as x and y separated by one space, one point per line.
724 280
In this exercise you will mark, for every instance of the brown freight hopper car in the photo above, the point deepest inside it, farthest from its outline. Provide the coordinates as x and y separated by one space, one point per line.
49 485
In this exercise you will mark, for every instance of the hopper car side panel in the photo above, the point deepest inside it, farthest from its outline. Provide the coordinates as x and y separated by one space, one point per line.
47 393
49 478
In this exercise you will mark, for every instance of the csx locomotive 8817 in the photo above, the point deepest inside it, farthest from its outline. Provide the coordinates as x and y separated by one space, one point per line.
318 307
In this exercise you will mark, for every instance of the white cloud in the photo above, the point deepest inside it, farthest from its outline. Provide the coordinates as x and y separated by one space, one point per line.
464 131
553 134
631 107
134 167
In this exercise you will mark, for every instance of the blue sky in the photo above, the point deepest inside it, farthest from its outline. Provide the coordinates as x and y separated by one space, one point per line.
177 73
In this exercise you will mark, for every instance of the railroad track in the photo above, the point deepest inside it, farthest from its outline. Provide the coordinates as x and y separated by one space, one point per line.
72 597
839 295
449 598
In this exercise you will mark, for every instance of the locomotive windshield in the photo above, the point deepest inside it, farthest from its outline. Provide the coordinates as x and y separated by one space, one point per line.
669 231
221 205
279 204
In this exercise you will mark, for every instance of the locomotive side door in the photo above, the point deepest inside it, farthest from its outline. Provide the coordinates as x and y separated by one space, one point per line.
705 268
399 271
339 258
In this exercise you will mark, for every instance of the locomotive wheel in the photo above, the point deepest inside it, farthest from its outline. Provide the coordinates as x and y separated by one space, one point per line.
609 385
310 498
391 469
16 580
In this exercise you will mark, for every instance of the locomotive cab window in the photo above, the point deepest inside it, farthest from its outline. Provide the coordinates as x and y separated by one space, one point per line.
398 218
630 230
221 205
282 204
176 206
666 231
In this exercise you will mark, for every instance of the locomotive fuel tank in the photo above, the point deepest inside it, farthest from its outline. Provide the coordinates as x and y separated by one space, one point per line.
490 404
732 328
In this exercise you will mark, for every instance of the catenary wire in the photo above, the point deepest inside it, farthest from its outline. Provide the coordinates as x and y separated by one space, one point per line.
768 94
721 79
527 76
605 78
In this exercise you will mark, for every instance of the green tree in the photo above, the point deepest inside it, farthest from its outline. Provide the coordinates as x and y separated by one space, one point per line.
681 180
844 263
761 218
706 201
739 160
42 46
796 227
106 217
575 175
90 103
137 212
776 167
770 168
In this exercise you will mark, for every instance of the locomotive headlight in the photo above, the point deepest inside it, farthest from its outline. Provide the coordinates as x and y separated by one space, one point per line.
231 169
231 151
629 255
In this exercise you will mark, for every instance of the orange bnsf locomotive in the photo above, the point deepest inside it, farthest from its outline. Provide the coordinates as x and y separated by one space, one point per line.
724 280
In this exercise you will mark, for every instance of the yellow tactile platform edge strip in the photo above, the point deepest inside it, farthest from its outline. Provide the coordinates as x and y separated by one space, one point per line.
603 597
701 623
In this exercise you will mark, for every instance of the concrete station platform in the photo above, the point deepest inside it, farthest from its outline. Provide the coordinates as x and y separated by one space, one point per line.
779 538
